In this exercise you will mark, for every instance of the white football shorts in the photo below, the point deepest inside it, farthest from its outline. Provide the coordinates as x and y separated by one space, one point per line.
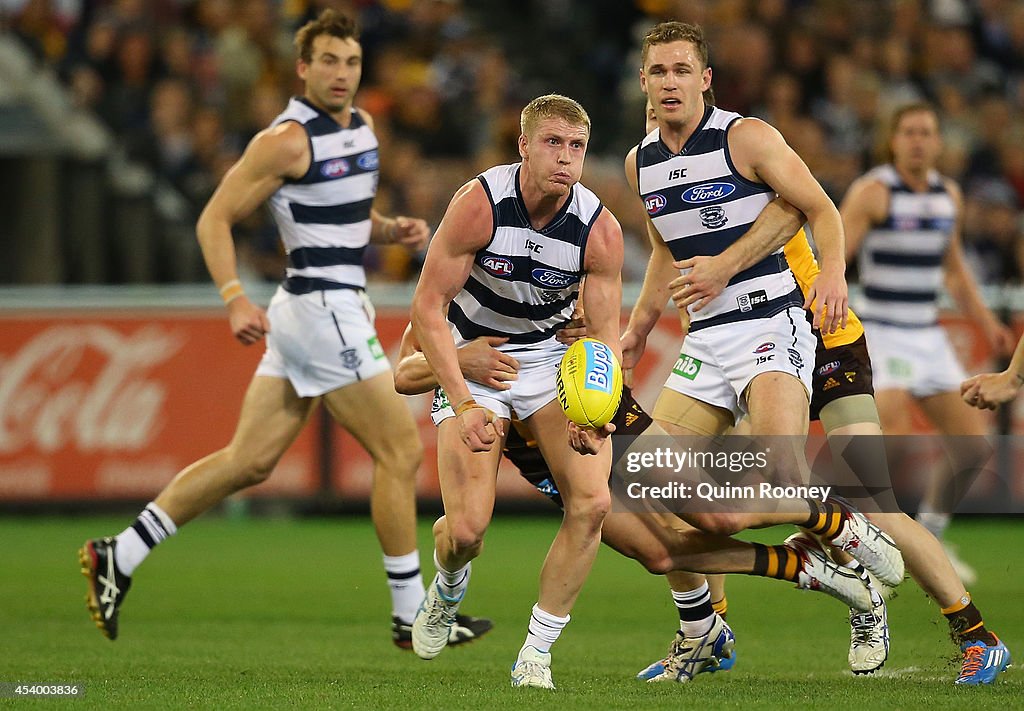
919 360
322 341
717 363
532 390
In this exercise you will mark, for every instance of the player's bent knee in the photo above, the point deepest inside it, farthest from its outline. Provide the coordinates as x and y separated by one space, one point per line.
466 535
589 510
249 466
654 562
720 524
403 455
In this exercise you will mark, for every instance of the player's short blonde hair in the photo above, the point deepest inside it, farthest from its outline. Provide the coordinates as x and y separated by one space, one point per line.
553 106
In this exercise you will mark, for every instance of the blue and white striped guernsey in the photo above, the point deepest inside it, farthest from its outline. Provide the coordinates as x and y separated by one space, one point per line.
900 262
525 282
324 216
700 205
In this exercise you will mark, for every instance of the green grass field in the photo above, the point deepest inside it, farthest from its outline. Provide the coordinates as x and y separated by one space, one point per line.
276 613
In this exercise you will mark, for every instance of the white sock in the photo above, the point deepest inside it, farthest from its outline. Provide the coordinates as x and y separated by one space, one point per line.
406 584
936 523
134 543
452 583
543 630
696 615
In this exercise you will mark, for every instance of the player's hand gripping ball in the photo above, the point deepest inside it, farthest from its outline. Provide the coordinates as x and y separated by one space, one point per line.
589 383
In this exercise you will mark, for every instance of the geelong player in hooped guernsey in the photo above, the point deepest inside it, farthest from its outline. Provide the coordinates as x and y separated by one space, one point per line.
506 261
317 166
704 176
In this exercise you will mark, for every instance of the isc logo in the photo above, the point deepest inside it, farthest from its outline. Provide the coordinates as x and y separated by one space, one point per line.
687 366
599 367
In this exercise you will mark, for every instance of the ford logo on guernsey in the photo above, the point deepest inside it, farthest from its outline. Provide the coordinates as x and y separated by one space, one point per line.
551 279
708 192
655 203
600 367
499 266
368 161
335 168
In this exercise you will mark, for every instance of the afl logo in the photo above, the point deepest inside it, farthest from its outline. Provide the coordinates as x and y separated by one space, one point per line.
368 161
708 192
765 347
336 168
551 279
828 368
498 266
655 203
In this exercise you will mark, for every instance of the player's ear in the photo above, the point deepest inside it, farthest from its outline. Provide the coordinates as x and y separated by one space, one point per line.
523 143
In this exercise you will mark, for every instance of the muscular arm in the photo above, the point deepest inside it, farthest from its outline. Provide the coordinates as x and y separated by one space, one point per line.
709 275
865 205
273 155
654 293
759 152
602 299
465 229
479 361
411 233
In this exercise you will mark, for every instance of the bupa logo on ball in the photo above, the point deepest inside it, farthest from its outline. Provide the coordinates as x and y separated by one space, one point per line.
655 203
335 168
368 161
708 192
498 266
552 279
599 367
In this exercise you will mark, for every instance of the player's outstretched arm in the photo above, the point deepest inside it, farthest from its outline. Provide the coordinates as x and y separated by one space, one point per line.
273 155
707 276
990 390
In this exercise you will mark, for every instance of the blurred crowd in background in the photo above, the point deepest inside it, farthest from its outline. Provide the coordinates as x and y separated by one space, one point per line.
184 85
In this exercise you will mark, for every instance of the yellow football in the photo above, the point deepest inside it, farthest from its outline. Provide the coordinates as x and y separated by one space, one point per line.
589 383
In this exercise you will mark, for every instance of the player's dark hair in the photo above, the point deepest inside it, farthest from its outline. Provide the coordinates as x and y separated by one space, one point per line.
666 32
330 22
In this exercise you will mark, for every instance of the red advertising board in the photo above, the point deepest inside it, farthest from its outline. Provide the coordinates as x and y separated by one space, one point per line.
112 404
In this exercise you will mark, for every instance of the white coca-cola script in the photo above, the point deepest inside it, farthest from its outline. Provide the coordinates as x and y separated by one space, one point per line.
50 400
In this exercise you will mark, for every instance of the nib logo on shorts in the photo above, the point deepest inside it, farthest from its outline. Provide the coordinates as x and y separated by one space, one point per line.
687 366
376 350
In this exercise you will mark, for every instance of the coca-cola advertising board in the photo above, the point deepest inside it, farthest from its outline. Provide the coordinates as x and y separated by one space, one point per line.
112 404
